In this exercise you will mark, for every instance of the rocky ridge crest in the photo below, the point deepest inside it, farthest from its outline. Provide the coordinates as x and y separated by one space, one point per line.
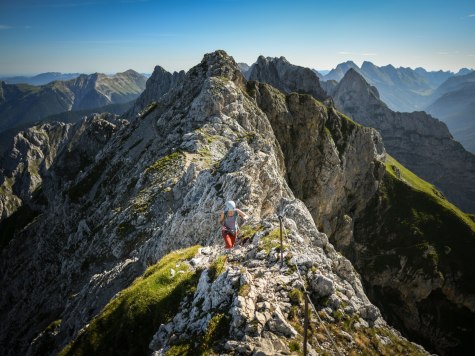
157 185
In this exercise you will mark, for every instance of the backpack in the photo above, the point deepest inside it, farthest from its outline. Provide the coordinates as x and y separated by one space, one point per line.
236 227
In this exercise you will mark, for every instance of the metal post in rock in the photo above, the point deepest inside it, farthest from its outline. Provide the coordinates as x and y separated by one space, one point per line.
281 244
305 325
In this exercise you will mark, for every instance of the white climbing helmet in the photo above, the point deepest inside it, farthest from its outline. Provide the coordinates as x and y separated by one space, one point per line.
230 205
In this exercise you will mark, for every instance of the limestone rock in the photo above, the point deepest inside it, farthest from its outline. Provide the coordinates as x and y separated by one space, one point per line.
322 285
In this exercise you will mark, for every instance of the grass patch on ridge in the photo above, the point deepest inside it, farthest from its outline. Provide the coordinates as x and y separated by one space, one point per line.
419 184
127 323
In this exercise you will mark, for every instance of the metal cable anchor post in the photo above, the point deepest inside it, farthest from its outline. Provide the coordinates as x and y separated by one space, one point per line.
281 243
305 324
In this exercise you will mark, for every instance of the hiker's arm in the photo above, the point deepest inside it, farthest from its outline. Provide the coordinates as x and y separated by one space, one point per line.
242 214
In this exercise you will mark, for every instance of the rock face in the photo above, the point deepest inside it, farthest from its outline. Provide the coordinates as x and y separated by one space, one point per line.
158 184
34 151
411 254
159 83
418 141
24 103
286 77
333 165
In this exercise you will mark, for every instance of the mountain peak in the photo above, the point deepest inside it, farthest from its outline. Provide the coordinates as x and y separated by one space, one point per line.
286 77
340 70
350 63
367 64
353 76
130 72
354 83
219 64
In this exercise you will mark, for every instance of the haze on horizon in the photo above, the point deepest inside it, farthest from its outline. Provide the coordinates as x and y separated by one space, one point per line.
115 35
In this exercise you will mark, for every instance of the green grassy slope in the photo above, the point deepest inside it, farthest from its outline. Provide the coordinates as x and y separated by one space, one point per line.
417 242
126 325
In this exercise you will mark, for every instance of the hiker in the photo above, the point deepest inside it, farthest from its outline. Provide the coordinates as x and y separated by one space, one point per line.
228 220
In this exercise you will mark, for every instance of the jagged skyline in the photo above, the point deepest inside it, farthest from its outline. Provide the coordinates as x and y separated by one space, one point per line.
115 35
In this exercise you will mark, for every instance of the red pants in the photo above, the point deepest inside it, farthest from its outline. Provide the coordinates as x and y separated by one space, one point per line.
229 238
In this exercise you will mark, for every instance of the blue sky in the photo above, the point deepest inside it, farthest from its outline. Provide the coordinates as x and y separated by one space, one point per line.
115 35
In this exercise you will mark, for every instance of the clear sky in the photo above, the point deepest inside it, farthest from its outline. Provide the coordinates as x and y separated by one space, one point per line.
114 35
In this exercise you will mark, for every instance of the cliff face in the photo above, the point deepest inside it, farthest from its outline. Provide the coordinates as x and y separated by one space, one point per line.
333 164
33 152
159 184
418 141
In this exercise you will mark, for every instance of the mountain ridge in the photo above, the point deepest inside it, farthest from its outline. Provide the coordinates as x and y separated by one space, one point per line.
403 89
23 103
158 183
39 79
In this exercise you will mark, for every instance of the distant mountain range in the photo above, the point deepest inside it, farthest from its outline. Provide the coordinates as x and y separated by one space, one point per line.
25 103
402 89
446 95
455 105
420 142
40 79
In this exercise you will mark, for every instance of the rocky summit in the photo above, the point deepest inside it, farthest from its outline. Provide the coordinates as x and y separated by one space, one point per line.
102 254
286 77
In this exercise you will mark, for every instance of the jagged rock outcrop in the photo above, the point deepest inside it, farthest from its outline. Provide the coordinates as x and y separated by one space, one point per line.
286 77
25 104
31 154
418 141
158 184
159 83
